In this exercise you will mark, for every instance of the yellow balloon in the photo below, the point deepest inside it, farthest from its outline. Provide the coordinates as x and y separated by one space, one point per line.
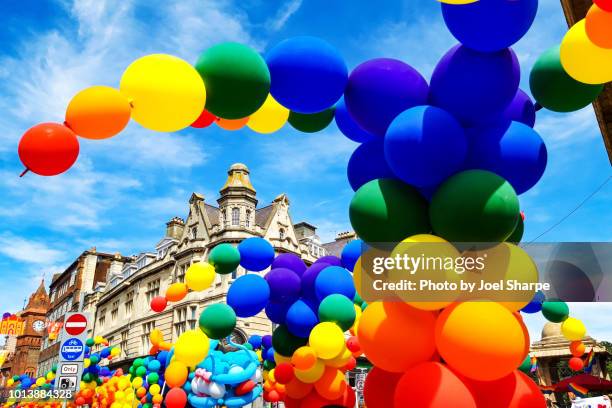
137 382
341 360
312 374
40 381
167 94
278 359
327 339
200 276
271 376
269 118
573 329
191 347
154 389
583 60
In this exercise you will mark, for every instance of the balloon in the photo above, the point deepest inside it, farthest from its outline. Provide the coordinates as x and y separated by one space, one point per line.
516 390
285 343
380 89
304 358
387 210
176 398
329 259
248 295
334 279
191 347
176 374
327 340
204 120
480 340
158 304
332 384
491 25
577 348
517 234
339 309
535 306
347 125
98 112
474 206
297 389
555 311
424 145
300 319
217 321
576 363
284 285
573 329
277 312
176 292
525 365
269 118
368 163
152 378
289 261
166 93
232 124
256 254
200 276
236 77
154 365
583 60
308 74
597 26
604 5
515 152
283 373
311 122
521 109
554 89
351 253
48 149
225 258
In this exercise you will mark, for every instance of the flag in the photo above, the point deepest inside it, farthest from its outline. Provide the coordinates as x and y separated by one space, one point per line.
588 362
534 365
53 328
578 390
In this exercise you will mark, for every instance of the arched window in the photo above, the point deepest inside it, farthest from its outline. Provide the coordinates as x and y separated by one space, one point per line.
248 218
225 220
281 233
235 216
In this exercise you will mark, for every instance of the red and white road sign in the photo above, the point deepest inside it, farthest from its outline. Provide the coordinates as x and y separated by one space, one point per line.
75 324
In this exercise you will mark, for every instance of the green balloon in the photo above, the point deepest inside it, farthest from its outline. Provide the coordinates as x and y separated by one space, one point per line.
15 378
554 89
54 367
141 371
225 258
311 122
152 378
363 306
338 309
90 342
526 365
555 310
517 234
218 321
357 299
138 362
387 210
87 377
237 80
268 365
474 206
285 343
248 346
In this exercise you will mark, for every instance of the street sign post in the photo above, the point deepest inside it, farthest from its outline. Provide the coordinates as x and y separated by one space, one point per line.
72 351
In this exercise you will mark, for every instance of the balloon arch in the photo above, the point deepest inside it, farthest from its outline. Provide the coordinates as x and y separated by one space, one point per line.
439 161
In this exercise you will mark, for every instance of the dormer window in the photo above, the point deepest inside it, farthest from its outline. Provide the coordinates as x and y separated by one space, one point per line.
281 234
235 216
194 232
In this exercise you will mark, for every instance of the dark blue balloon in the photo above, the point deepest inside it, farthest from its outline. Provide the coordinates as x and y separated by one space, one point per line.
348 126
105 353
248 295
351 253
309 277
475 87
266 341
277 311
334 279
425 145
301 319
330 260
535 306
490 25
289 261
515 152
521 109
162 357
368 163
256 254
255 341
270 354
285 285
380 89
307 74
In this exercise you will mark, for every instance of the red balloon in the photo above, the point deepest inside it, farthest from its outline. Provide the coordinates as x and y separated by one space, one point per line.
353 344
273 396
176 398
80 401
283 373
432 385
352 363
379 388
576 363
604 5
48 149
158 304
347 400
516 390
205 119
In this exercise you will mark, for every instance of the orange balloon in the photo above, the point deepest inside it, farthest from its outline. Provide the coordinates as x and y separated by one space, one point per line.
232 124
577 348
599 27
304 358
481 340
332 384
176 374
395 336
98 112
297 389
515 390
176 292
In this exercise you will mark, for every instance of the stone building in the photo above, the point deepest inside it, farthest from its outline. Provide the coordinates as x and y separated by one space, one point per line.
123 314
23 358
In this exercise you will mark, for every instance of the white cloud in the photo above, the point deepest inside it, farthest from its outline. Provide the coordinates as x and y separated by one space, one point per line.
283 14
28 251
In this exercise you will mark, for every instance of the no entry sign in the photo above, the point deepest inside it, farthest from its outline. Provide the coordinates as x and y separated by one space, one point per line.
75 324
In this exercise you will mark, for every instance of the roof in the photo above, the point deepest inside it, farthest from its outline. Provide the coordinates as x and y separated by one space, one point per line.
263 214
212 213
334 247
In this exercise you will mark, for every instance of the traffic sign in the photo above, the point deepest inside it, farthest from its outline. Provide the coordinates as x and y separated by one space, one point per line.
72 349
75 324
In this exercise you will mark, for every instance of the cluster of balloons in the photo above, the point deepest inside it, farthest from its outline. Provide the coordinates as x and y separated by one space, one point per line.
24 381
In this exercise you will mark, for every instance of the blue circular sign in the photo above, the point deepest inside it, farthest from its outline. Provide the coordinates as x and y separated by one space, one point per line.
72 349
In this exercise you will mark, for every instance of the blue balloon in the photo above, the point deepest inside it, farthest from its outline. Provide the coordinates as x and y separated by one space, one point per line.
307 74
154 365
285 285
309 277
330 260
277 311
301 319
256 254
266 341
334 279
368 163
515 152
490 25
255 341
521 109
289 261
475 87
270 354
351 253
105 353
248 295
424 146
162 357
380 89
535 306
347 125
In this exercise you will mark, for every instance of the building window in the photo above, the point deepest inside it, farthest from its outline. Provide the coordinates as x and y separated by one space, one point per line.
72 277
102 318
180 273
180 320
281 234
152 290
248 218
145 343
124 342
114 311
235 216
129 304
194 232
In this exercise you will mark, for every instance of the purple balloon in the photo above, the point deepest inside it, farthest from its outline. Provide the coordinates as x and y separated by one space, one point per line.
475 87
368 163
309 277
277 311
289 261
521 109
348 126
380 89
266 341
6 315
285 285
330 260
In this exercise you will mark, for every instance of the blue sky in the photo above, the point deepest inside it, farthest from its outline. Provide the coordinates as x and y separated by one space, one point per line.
122 191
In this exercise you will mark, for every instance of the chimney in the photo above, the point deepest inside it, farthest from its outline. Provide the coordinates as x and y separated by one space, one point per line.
175 227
